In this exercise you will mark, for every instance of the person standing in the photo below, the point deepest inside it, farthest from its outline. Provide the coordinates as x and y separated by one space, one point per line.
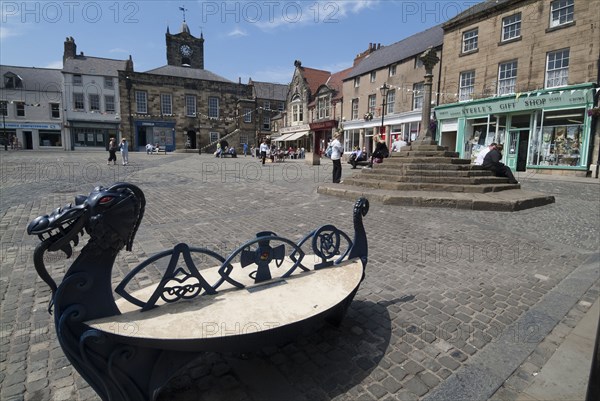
124 151
112 151
336 155
263 150
245 149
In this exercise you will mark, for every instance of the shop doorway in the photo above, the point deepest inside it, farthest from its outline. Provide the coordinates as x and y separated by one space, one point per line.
27 140
448 139
516 151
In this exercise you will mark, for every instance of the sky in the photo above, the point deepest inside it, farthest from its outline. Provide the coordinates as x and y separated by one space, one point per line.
243 39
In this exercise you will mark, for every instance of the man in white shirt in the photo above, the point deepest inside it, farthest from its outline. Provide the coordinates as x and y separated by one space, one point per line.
336 154
481 155
263 151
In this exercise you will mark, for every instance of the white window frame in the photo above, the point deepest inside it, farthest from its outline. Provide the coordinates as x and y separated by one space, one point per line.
390 101
356 82
507 77
109 83
141 102
77 80
556 77
511 27
466 86
267 105
54 107
470 40
190 106
561 12
78 97
213 107
323 105
418 95
266 122
392 70
214 136
248 115
166 104
94 101
373 76
355 109
109 104
372 104
20 109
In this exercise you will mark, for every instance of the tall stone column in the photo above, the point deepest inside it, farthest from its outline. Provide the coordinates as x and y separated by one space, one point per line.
429 59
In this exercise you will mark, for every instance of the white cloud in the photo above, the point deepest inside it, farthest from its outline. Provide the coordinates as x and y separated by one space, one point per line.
6 33
55 64
118 50
237 32
295 13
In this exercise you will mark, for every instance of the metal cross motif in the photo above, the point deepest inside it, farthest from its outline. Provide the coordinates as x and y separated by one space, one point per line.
184 10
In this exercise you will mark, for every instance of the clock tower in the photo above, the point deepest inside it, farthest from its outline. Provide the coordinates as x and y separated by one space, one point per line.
185 50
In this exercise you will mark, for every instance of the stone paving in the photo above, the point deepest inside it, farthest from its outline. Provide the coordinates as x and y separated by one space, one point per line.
443 292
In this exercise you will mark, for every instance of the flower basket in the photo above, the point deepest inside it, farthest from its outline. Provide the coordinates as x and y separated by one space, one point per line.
368 116
594 112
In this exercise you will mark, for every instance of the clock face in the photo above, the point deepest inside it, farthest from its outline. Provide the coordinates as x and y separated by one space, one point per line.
186 50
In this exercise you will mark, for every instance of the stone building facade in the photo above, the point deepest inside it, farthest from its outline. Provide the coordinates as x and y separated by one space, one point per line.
399 68
181 105
523 73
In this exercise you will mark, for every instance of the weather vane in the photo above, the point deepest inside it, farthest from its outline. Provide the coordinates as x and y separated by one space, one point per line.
184 10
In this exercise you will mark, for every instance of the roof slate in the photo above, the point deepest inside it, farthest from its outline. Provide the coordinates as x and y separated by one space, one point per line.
268 90
186 72
479 8
93 66
409 47
38 79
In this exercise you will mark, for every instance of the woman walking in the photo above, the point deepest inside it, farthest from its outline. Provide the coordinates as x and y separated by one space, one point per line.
112 151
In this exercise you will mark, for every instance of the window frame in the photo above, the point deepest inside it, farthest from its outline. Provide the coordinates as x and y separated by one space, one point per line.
354 106
94 101
357 82
508 30
54 109
462 94
373 76
213 107
141 102
191 102
109 83
418 95
4 108
568 4
166 104
77 80
563 77
109 100
78 97
472 40
247 115
390 101
372 103
20 109
501 83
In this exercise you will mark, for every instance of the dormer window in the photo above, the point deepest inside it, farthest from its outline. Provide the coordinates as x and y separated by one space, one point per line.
12 81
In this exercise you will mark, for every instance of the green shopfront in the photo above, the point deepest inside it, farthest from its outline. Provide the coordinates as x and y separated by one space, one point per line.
546 130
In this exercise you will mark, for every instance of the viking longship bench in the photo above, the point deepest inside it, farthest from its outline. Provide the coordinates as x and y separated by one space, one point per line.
127 347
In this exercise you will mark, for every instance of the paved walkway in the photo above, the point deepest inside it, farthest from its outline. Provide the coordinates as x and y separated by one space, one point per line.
452 300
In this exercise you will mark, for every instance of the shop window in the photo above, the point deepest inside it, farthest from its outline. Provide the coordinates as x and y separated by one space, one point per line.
351 140
92 137
557 141
50 138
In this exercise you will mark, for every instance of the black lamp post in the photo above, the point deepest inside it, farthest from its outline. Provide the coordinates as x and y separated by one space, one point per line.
384 91
4 111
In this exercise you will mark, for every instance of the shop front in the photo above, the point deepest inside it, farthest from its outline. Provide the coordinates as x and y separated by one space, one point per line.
91 135
547 130
33 135
300 136
154 132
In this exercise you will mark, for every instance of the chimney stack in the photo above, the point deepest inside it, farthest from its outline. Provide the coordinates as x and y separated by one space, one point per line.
70 48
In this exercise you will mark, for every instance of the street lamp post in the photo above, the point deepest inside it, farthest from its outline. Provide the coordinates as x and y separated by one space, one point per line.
384 91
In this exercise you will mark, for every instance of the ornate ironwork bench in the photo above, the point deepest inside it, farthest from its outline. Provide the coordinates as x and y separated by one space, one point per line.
128 348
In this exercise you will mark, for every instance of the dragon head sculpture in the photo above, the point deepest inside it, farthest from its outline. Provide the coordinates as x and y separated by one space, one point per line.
110 216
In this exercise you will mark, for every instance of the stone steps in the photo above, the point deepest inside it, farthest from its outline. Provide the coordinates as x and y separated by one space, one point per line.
428 171
444 179
429 186
423 153
399 160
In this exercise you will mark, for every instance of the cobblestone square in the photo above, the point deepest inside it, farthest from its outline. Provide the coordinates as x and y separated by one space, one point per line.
453 300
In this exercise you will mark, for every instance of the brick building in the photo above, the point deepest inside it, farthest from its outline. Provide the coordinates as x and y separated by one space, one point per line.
523 73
